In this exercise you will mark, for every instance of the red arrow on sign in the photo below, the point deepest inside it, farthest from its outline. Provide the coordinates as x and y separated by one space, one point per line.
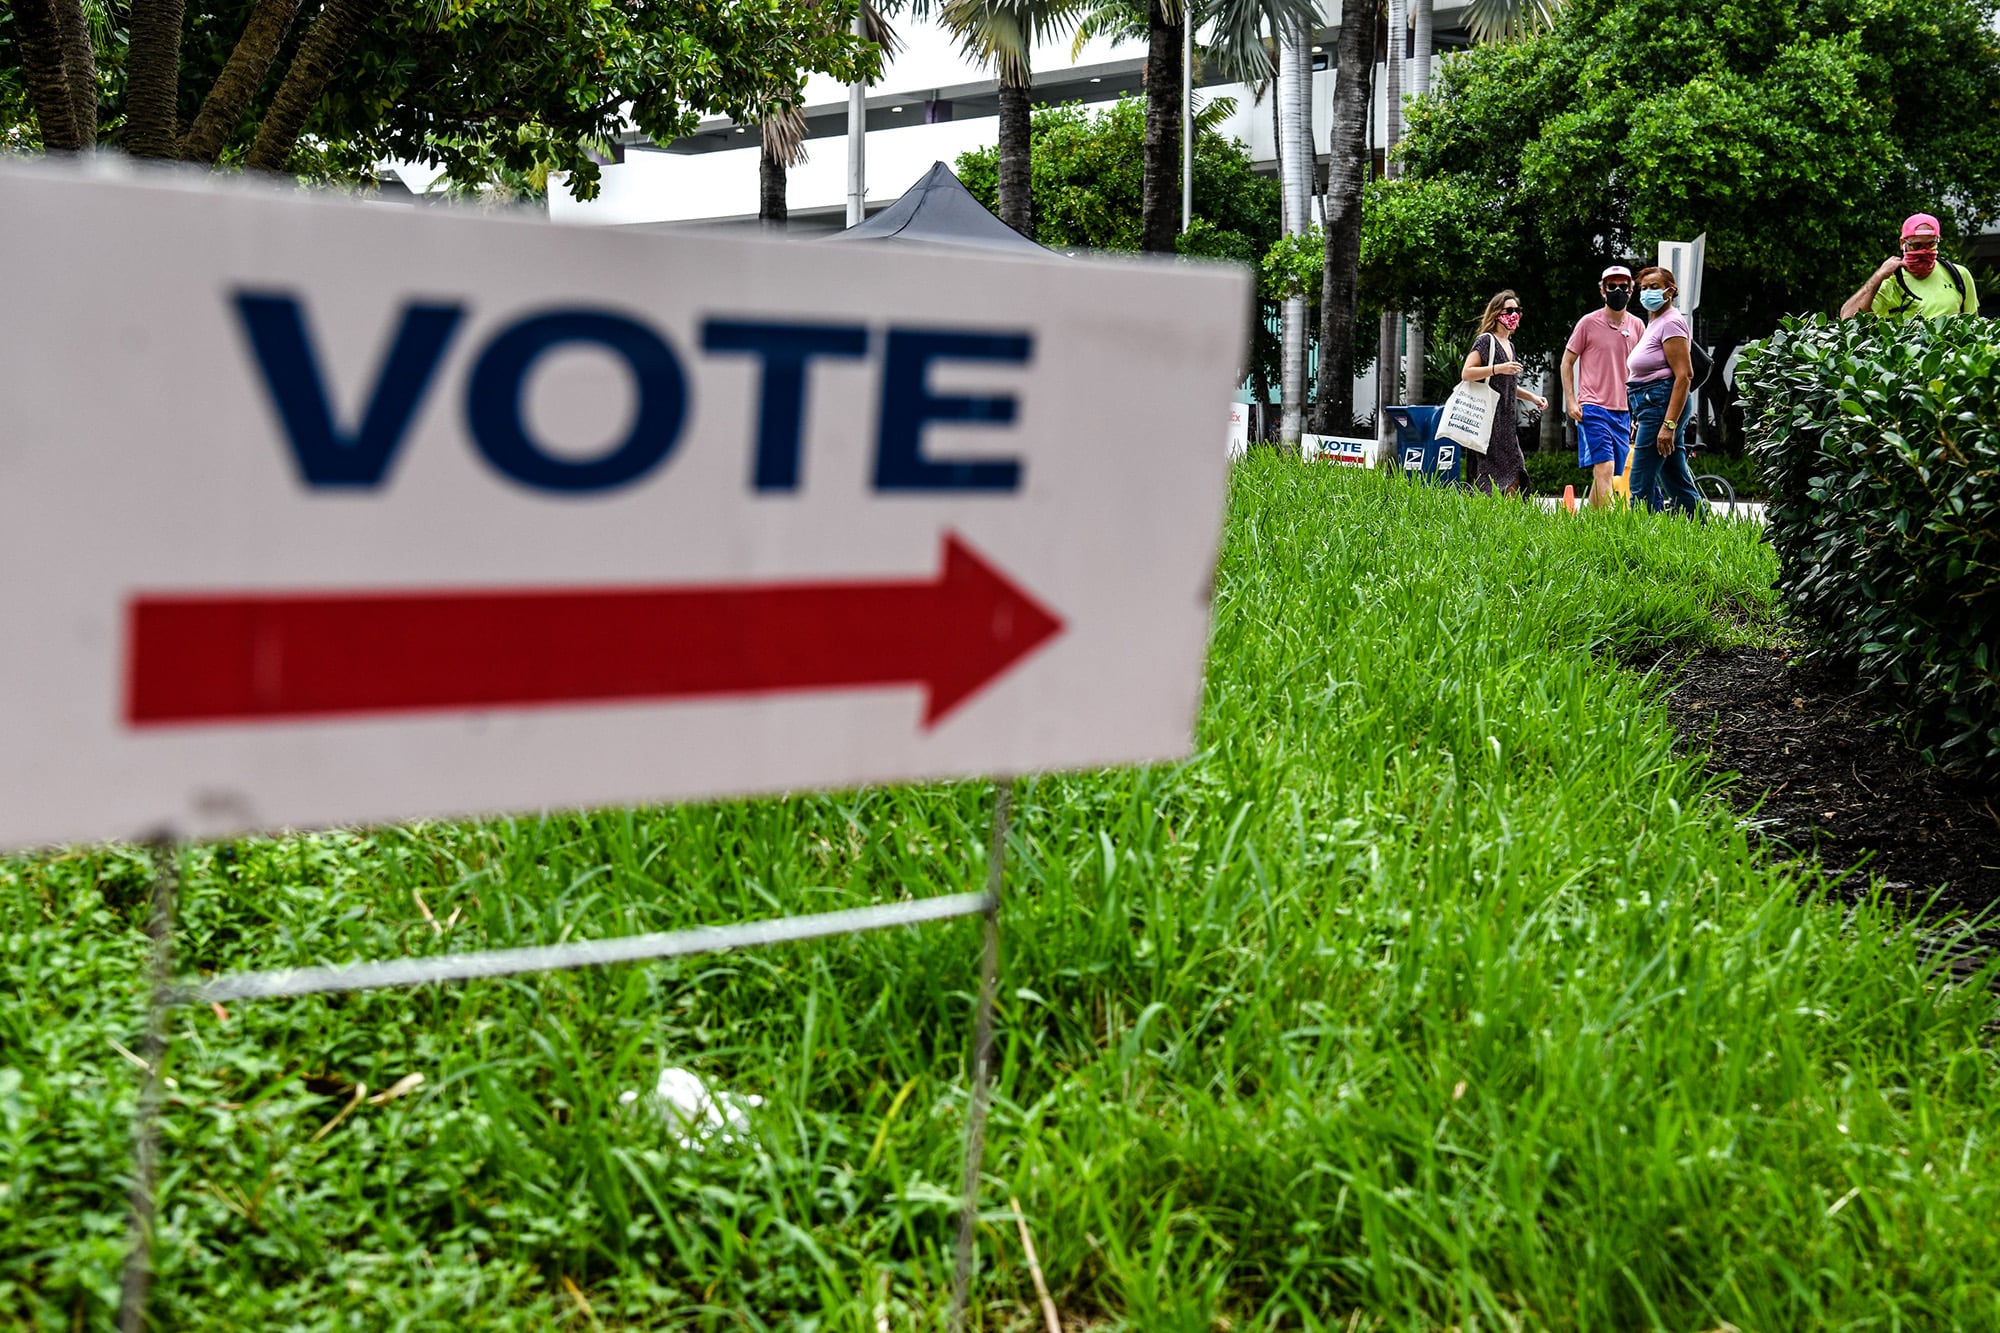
253 657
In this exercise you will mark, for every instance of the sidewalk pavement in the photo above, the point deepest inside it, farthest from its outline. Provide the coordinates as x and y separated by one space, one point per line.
1748 511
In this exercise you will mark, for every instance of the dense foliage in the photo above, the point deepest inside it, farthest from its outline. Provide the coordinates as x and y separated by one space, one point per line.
1089 188
1087 183
1881 441
489 89
1795 133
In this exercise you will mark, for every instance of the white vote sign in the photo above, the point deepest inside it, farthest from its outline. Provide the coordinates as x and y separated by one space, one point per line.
1686 260
320 512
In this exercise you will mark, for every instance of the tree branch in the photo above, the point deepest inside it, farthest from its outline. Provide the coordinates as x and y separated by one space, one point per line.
153 78
222 110
319 57
42 66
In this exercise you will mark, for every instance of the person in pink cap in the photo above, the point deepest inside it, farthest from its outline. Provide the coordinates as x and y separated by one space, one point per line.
1917 283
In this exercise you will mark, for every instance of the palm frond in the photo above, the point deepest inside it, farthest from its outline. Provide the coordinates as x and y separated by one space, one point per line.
1121 20
1491 21
875 27
1209 112
1004 33
1237 47
782 126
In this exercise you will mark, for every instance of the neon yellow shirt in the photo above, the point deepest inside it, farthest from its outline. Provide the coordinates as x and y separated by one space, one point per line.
1935 296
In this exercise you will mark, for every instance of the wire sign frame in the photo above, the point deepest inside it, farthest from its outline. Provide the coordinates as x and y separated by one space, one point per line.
165 993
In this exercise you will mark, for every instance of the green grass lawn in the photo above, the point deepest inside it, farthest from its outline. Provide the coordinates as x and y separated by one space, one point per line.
1434 990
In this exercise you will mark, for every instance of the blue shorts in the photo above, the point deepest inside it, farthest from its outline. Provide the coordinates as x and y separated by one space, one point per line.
1604 437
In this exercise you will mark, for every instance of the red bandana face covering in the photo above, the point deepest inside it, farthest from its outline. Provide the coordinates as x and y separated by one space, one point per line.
1920 262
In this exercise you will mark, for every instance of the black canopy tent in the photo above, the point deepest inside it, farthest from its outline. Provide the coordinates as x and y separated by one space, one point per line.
939 210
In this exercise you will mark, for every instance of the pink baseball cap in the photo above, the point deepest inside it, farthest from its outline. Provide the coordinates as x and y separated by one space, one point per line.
1918 222
1615 271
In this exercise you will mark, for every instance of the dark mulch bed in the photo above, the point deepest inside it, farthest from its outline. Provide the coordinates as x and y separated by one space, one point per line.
1832 782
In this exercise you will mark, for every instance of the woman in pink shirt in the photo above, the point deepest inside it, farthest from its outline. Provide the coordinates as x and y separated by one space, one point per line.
1657 377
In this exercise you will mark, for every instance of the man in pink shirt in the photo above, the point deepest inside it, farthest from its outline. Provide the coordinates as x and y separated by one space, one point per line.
1593 377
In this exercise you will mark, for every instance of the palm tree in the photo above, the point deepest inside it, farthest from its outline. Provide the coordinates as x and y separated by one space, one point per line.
781 129
1347 170
1005 33
1295 166
1236 47
1489 21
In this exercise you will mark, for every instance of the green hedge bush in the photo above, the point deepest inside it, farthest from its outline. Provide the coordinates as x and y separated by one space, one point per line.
1881 445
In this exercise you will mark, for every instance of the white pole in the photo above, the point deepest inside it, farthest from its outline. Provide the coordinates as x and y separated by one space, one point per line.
1418 68
857 144
1187 114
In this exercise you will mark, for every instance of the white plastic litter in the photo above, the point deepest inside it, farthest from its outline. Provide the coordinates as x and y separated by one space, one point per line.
697 1116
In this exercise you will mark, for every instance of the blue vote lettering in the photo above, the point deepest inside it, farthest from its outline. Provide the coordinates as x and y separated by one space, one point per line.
326 454
908 406
493 401
781 401
329 455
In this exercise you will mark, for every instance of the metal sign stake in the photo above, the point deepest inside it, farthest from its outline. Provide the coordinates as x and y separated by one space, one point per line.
146 1116
982 1056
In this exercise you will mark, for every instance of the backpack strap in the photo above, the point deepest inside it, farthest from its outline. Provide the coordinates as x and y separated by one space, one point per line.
1910 297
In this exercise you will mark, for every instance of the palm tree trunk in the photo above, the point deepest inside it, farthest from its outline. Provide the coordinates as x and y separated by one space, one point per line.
1413 358
1420 60
80 70
320 54
771 190
1387 367
37 34
1159 196
1306 151
1308 146
222 110
1347 172
1293 65
1017 204
153 79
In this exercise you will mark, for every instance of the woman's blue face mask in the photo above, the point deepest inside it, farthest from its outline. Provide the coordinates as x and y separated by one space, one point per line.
1653 298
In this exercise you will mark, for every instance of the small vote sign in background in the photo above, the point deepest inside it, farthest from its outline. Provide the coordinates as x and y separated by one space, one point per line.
322 512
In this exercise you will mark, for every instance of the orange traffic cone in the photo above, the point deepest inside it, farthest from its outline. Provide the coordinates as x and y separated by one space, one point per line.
1569 499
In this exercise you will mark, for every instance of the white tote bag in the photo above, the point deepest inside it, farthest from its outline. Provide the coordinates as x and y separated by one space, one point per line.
1468 413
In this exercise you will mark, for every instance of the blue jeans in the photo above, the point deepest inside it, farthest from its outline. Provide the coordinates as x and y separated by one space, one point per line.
1651 474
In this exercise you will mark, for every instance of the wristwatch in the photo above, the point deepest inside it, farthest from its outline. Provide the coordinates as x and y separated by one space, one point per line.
1671 424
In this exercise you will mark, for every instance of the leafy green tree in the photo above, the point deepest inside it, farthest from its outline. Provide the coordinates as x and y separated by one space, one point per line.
1795 133
1089 191
1088 187
487 89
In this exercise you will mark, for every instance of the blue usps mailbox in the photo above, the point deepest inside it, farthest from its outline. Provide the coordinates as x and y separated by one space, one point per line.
1419 453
